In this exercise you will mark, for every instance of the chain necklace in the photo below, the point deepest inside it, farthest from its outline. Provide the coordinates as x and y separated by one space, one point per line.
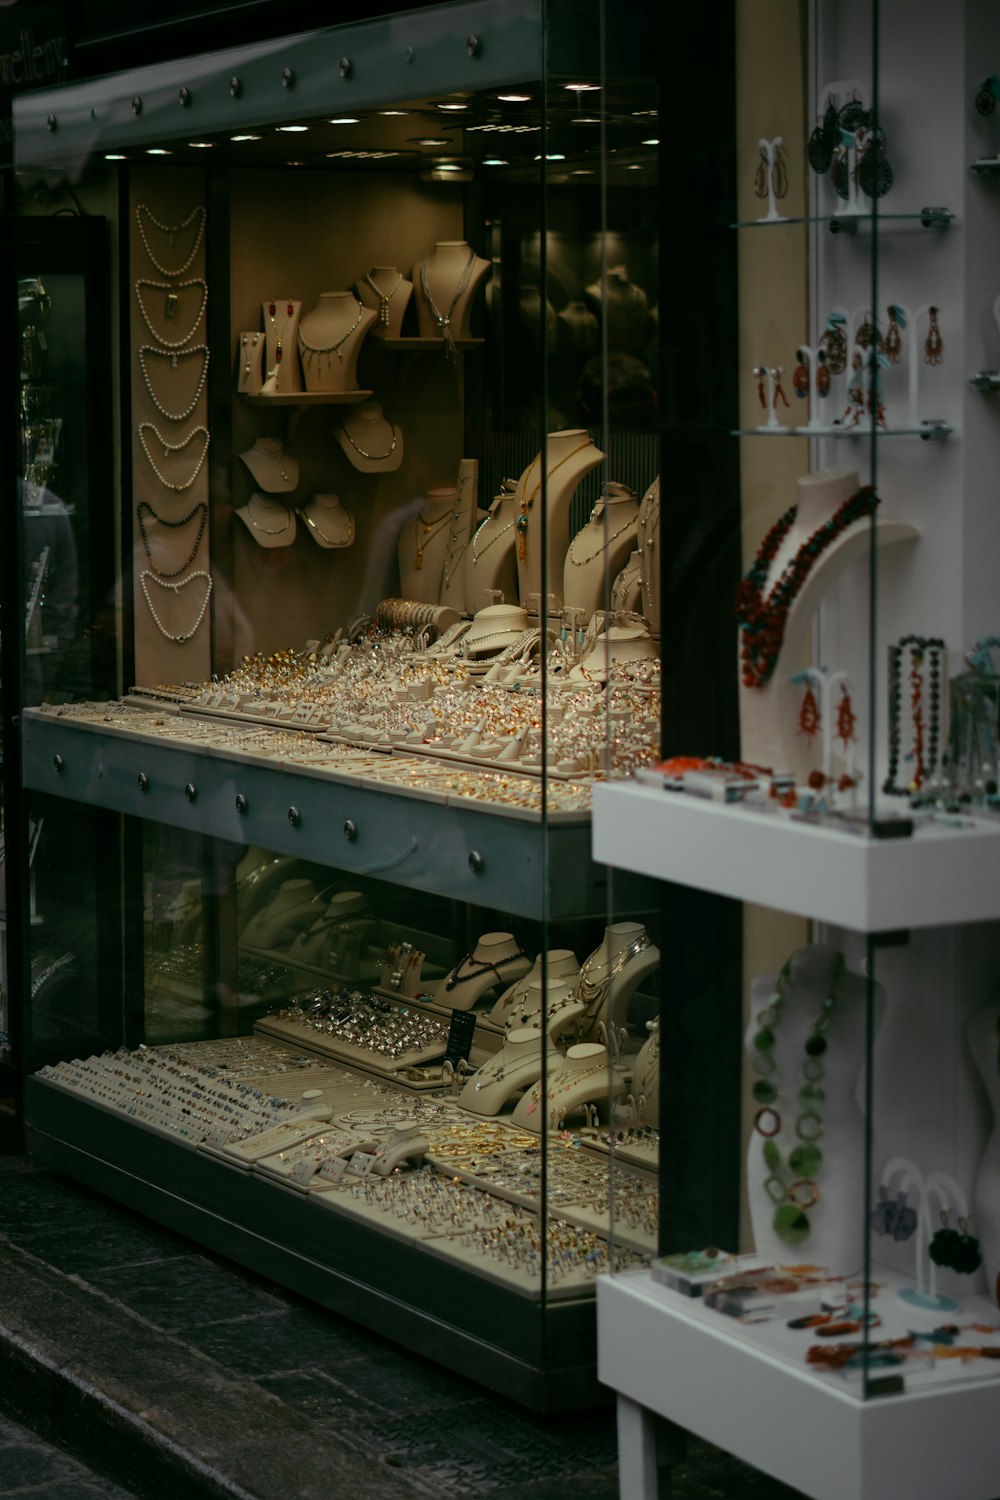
267 530
649 521
582 562
330 540
443 320
201 349
173 448
147 576
375 457
384 298
452 558
528 500
171 231
593 992
431 528
279 348
493 539
170 307
508 1065
334 348
201 509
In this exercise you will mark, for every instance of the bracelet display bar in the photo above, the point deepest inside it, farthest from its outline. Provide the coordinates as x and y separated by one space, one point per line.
668 1356
939 875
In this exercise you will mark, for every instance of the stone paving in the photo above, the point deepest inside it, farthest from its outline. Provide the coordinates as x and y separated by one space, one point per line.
184 1376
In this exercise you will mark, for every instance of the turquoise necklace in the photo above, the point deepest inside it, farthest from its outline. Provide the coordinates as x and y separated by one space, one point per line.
790 1184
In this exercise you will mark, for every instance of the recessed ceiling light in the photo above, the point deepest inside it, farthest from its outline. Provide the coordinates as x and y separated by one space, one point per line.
429 140
644 114
362 155
158 151
633 167
551 156
583 88
514 98
582 172
244 137
345 120
392 112
586 120
506 129
653 141
115 156
201 145
452 106
494 161
293 129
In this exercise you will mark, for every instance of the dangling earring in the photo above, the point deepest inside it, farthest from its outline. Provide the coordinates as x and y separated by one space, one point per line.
822 375
760 176
776 374
893 336
933 343
522 529
823 141
800 377
779 174
809 719
760 373
846 718
835 340
868 334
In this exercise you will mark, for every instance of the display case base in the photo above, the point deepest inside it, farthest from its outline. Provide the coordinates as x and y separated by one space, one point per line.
541 1356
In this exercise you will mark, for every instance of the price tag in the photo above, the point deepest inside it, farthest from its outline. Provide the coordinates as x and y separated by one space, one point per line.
460 1034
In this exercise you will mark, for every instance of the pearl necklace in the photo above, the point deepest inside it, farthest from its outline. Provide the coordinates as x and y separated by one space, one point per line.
171 230
335 348
170 307
330 541
268 531
147 576
384 298
202 349
375 457
581 562
173 448
143 506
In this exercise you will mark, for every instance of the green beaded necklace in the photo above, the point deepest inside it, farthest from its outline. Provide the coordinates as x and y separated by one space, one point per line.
791 1185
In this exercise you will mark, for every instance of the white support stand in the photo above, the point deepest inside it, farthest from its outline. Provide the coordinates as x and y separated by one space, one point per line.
769 154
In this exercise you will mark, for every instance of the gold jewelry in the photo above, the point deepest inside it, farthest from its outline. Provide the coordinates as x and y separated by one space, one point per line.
330 541
268 531
431 528
527 501
337 345
384 298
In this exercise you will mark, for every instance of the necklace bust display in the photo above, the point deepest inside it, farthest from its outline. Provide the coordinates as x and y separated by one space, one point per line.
600 548
446 282
330 338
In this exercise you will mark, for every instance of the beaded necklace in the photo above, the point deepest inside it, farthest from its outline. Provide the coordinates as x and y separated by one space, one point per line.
384 298
168 448
455 978
794 1197
146 577
921 648
170 307
173 356
200 510
762 618
593 992
375 457
197 214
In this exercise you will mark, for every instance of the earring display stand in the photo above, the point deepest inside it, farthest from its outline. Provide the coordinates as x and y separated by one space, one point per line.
250 363
770 156
282 373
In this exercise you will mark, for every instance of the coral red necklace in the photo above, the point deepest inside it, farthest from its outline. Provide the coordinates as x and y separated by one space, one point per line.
762 618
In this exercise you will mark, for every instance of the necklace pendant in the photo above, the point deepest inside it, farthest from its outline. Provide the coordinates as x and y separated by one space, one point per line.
383 310
173 361
419 561
170 305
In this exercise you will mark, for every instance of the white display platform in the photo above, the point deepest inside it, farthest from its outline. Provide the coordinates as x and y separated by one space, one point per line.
667 1356
940 875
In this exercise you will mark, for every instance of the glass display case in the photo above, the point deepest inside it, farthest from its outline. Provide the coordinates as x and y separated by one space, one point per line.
327 976
849 832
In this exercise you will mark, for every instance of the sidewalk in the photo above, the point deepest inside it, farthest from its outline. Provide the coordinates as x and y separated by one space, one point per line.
180 1376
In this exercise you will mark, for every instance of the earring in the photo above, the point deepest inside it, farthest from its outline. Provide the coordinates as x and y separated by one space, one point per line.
776 374
968 1257
760 176
835 340
933 343
853 116
846 718
779 174
760 373
944 1245
823 141
822 374
800 377
875 175
893 334
868 334
986 97
809 719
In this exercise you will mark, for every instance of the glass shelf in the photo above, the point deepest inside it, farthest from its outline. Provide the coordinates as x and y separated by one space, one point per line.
986 380
986 166
847 223
931 432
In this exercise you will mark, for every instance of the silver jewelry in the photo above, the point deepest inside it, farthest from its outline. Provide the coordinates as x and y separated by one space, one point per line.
336 347
173 357
173 448
267 530
581 562
246 352
493 539
172 231
186 635
384 298
593 992
443 320
375 457
170 307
